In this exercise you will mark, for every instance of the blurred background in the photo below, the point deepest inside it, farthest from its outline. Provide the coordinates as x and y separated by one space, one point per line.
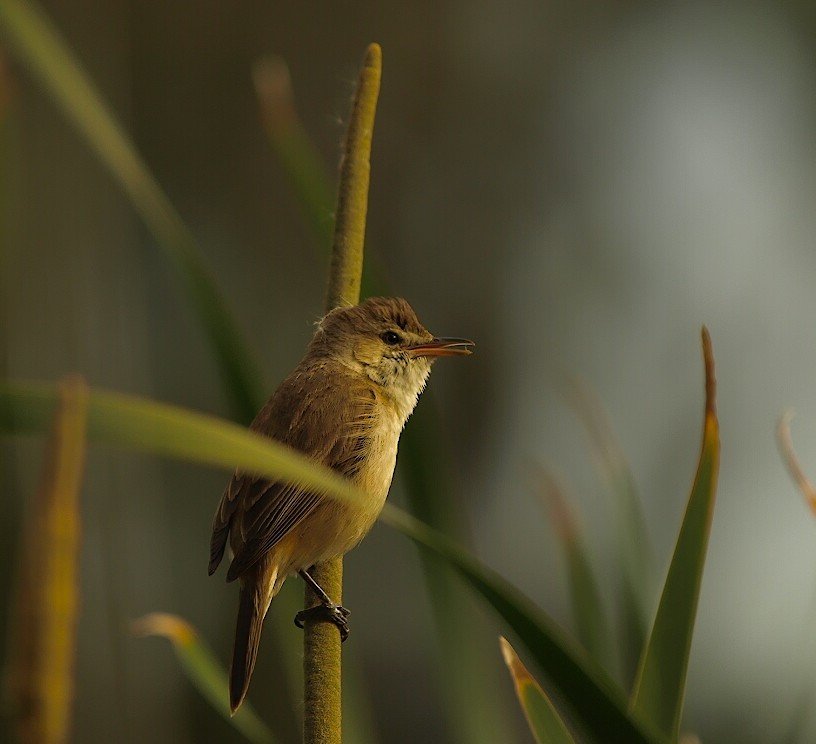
578 187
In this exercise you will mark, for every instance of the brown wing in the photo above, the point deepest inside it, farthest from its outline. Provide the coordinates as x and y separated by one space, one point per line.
304 413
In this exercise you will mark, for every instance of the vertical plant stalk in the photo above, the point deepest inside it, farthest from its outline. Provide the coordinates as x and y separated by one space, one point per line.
43 650
322 720
345 274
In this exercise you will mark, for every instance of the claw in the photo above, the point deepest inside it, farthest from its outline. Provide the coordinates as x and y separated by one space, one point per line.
332 613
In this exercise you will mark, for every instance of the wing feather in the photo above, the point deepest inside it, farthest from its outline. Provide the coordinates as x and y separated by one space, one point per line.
302 413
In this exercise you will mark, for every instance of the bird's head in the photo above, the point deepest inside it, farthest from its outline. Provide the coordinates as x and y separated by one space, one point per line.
383 340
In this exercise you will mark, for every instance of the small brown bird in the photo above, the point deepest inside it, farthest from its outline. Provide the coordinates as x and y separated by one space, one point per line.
344 405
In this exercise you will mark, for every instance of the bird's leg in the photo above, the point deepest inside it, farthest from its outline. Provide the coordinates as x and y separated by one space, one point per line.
326 611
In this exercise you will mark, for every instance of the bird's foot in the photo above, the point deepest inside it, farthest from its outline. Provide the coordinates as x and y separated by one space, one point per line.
327 613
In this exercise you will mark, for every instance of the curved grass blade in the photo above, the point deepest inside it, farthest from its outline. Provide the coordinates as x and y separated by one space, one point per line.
587 610
631 537
300 159
41 671
170 431
42 50
297 154
203 671
783 438
542 717
660 685
802 707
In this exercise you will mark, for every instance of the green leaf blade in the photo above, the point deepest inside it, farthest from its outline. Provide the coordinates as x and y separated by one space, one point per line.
659 689
587 609
632 540
545 724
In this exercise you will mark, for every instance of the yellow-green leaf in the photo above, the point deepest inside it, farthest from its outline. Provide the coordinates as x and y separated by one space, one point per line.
170 431
204 671
545 723
41 670
660 685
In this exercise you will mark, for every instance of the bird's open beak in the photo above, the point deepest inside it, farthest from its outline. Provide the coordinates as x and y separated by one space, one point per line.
442 347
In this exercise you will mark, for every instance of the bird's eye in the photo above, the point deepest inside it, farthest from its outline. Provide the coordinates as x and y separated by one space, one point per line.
391 338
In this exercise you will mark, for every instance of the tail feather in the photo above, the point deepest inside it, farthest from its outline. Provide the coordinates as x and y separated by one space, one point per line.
218 543
251 611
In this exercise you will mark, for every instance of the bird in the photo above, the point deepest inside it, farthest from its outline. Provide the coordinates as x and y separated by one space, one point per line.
344 405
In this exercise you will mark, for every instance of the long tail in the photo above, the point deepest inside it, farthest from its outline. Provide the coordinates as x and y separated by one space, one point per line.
251 611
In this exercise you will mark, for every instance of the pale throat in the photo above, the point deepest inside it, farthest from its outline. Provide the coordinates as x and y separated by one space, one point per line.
399 378
402 385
